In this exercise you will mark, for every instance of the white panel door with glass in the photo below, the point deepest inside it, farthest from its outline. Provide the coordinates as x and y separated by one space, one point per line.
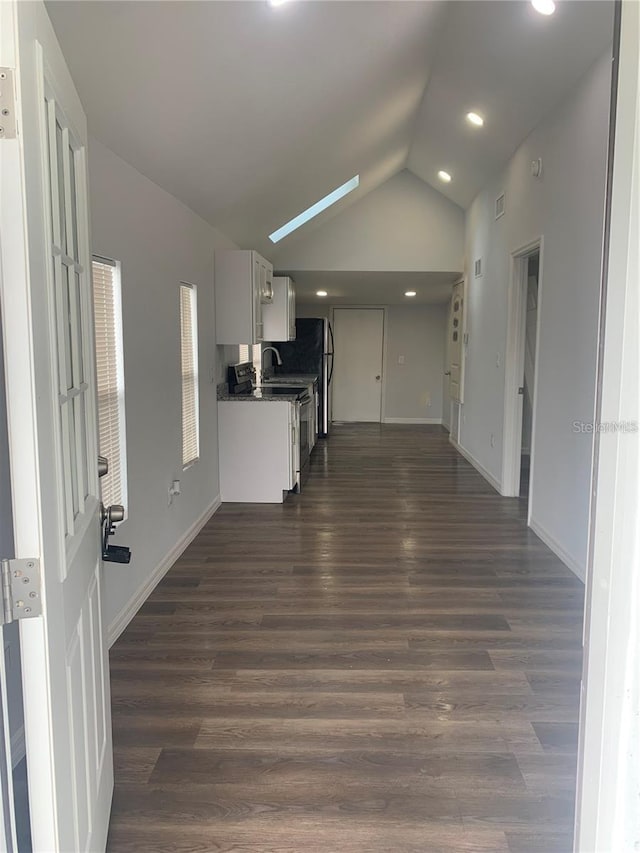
357 379
51 391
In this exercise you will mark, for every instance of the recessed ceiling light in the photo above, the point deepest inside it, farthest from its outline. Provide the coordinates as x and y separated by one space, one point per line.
544 7
277 2
321 292
315 209
474 118
410 293
444 176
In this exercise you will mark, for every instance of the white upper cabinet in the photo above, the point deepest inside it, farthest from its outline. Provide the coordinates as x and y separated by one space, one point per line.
280 316
243 282
264 270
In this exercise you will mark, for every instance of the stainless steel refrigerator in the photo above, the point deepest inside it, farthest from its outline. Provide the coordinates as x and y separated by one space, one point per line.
311 353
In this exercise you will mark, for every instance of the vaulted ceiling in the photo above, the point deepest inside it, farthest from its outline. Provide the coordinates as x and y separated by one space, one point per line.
250 113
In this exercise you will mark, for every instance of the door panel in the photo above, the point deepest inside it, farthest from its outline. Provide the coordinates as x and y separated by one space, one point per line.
50 366
357 381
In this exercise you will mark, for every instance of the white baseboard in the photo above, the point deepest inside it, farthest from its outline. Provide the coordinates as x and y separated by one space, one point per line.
479 468
412 420
558 550
127 613
18 747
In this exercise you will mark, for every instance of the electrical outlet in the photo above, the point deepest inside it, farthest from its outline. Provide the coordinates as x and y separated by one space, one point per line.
498 360
400 359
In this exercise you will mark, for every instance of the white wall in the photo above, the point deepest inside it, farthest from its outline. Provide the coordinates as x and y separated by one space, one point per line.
418 334
159 243
566 208
404 225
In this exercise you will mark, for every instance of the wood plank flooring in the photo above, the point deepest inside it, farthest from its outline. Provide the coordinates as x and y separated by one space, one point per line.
387 663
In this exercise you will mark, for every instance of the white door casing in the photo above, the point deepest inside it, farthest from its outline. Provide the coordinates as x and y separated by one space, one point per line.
607 815
514 367
50 369
357 378
8 834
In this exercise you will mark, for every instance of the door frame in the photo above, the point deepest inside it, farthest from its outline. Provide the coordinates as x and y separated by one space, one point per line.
514 369
607 790
383 360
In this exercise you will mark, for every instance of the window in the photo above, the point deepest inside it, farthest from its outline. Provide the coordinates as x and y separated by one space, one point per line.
253 354
315 209
189 358
107 306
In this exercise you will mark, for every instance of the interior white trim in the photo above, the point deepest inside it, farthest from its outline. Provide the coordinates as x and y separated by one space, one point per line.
607 815
412 420
569 561
514 367
479 468
125 616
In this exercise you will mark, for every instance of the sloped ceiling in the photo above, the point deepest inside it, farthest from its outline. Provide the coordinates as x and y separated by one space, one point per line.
511 65
249 113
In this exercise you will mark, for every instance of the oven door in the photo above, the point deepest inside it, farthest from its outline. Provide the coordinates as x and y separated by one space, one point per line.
306 425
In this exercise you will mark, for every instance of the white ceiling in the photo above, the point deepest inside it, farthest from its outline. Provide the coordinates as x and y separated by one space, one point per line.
373 288
510 64
249 113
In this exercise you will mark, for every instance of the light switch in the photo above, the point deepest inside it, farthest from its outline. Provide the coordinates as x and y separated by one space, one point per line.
400 359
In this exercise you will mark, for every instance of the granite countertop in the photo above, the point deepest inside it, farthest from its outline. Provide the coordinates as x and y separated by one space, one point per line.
291 378
256 396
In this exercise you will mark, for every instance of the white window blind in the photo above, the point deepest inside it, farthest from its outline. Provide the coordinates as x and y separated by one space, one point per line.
110 374
189 356
251 353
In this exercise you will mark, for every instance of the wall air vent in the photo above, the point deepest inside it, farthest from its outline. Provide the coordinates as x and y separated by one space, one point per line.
478 268
500 206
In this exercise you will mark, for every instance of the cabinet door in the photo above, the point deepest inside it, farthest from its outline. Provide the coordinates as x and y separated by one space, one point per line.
267 295
291 311
265 280
257 303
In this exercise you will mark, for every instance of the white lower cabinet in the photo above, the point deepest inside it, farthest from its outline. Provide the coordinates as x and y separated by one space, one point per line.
259 450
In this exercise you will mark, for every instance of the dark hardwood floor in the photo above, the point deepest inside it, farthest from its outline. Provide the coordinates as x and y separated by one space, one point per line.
388 662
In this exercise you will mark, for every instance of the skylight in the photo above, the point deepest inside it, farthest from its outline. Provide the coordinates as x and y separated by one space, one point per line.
315 209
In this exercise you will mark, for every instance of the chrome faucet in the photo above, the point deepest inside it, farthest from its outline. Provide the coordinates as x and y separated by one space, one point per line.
273 349
278 359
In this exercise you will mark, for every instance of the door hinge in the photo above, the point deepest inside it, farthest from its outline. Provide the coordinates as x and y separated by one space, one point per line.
7 104
21 597
521 390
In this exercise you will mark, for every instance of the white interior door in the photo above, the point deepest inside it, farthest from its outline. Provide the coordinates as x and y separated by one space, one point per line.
357 377
50 374
456 316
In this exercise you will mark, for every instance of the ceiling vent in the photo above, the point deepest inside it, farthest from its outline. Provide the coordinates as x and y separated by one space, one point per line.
478 268
500 206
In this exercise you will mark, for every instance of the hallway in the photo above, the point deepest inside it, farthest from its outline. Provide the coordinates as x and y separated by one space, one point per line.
388 662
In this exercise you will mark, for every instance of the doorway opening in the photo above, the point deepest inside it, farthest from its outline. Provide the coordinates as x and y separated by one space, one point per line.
520 372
